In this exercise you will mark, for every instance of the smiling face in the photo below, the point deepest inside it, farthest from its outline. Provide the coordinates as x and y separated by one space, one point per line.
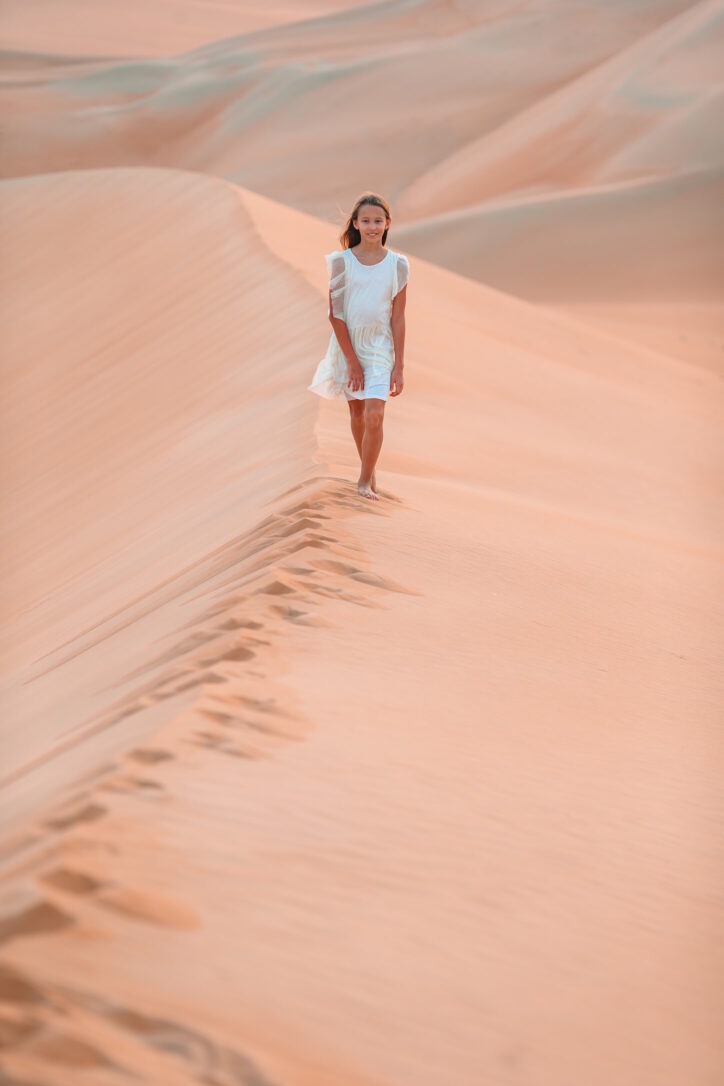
371 222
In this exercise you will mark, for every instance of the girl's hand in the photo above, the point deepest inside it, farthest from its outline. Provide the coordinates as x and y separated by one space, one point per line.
356 377
396 382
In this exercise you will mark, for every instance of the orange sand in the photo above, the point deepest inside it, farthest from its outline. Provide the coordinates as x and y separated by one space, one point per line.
301 789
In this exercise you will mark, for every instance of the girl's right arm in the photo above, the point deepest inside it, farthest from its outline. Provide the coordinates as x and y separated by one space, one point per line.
343 338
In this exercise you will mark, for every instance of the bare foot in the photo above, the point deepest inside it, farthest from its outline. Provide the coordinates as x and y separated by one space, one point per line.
373 482
365 489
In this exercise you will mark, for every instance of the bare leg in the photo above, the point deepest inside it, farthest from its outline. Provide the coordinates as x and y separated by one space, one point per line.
357 421
371 445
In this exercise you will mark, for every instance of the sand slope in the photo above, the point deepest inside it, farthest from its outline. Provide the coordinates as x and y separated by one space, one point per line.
140 338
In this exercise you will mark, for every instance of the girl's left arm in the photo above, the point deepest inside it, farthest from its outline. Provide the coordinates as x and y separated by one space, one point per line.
397 324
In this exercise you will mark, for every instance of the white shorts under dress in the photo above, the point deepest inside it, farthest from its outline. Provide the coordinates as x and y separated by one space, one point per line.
362 297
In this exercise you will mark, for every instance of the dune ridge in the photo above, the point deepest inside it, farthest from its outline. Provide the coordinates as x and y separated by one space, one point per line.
139 416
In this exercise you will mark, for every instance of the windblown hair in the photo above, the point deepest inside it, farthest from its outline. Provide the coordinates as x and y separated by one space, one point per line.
350 235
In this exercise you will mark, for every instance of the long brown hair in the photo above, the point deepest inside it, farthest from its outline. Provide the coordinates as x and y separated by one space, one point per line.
350 235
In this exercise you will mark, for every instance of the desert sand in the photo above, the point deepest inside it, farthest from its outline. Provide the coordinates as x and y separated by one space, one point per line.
299 789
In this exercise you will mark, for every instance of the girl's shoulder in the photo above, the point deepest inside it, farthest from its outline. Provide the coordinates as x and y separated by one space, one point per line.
401 272
401 264
336 263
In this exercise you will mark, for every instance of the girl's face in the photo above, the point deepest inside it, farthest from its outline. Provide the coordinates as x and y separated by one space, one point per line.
371 222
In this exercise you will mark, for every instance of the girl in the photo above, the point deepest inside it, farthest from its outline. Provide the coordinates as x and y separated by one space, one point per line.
364 359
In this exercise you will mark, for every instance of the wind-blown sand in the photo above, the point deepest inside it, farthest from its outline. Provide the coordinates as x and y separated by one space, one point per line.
303 790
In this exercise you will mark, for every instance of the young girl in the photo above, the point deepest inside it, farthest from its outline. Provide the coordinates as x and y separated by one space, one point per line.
364 359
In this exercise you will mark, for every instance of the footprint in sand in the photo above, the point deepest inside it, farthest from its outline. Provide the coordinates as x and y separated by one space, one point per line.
149 908
207 1060
239 654
240 624
41 918
301 525
68 1051
150 756
71 882
277 588
125 785
90 813
135 904
316 544
329 565
299 618
15 988
220 718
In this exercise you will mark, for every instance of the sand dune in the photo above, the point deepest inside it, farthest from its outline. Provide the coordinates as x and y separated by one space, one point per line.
537 248
299 789
228 108
269 803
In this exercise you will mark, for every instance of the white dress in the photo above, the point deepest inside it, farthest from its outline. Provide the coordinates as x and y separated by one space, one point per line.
362 297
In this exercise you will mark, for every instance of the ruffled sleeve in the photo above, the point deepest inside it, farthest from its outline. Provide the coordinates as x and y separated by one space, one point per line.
337 269
402 273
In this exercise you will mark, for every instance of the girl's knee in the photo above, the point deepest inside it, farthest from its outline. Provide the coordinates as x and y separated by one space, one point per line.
374 412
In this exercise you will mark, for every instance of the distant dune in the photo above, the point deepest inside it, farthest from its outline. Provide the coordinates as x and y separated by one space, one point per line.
490 128
646 111
537 247
141 29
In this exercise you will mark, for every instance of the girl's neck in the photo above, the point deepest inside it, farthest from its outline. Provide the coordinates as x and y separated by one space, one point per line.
369 250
